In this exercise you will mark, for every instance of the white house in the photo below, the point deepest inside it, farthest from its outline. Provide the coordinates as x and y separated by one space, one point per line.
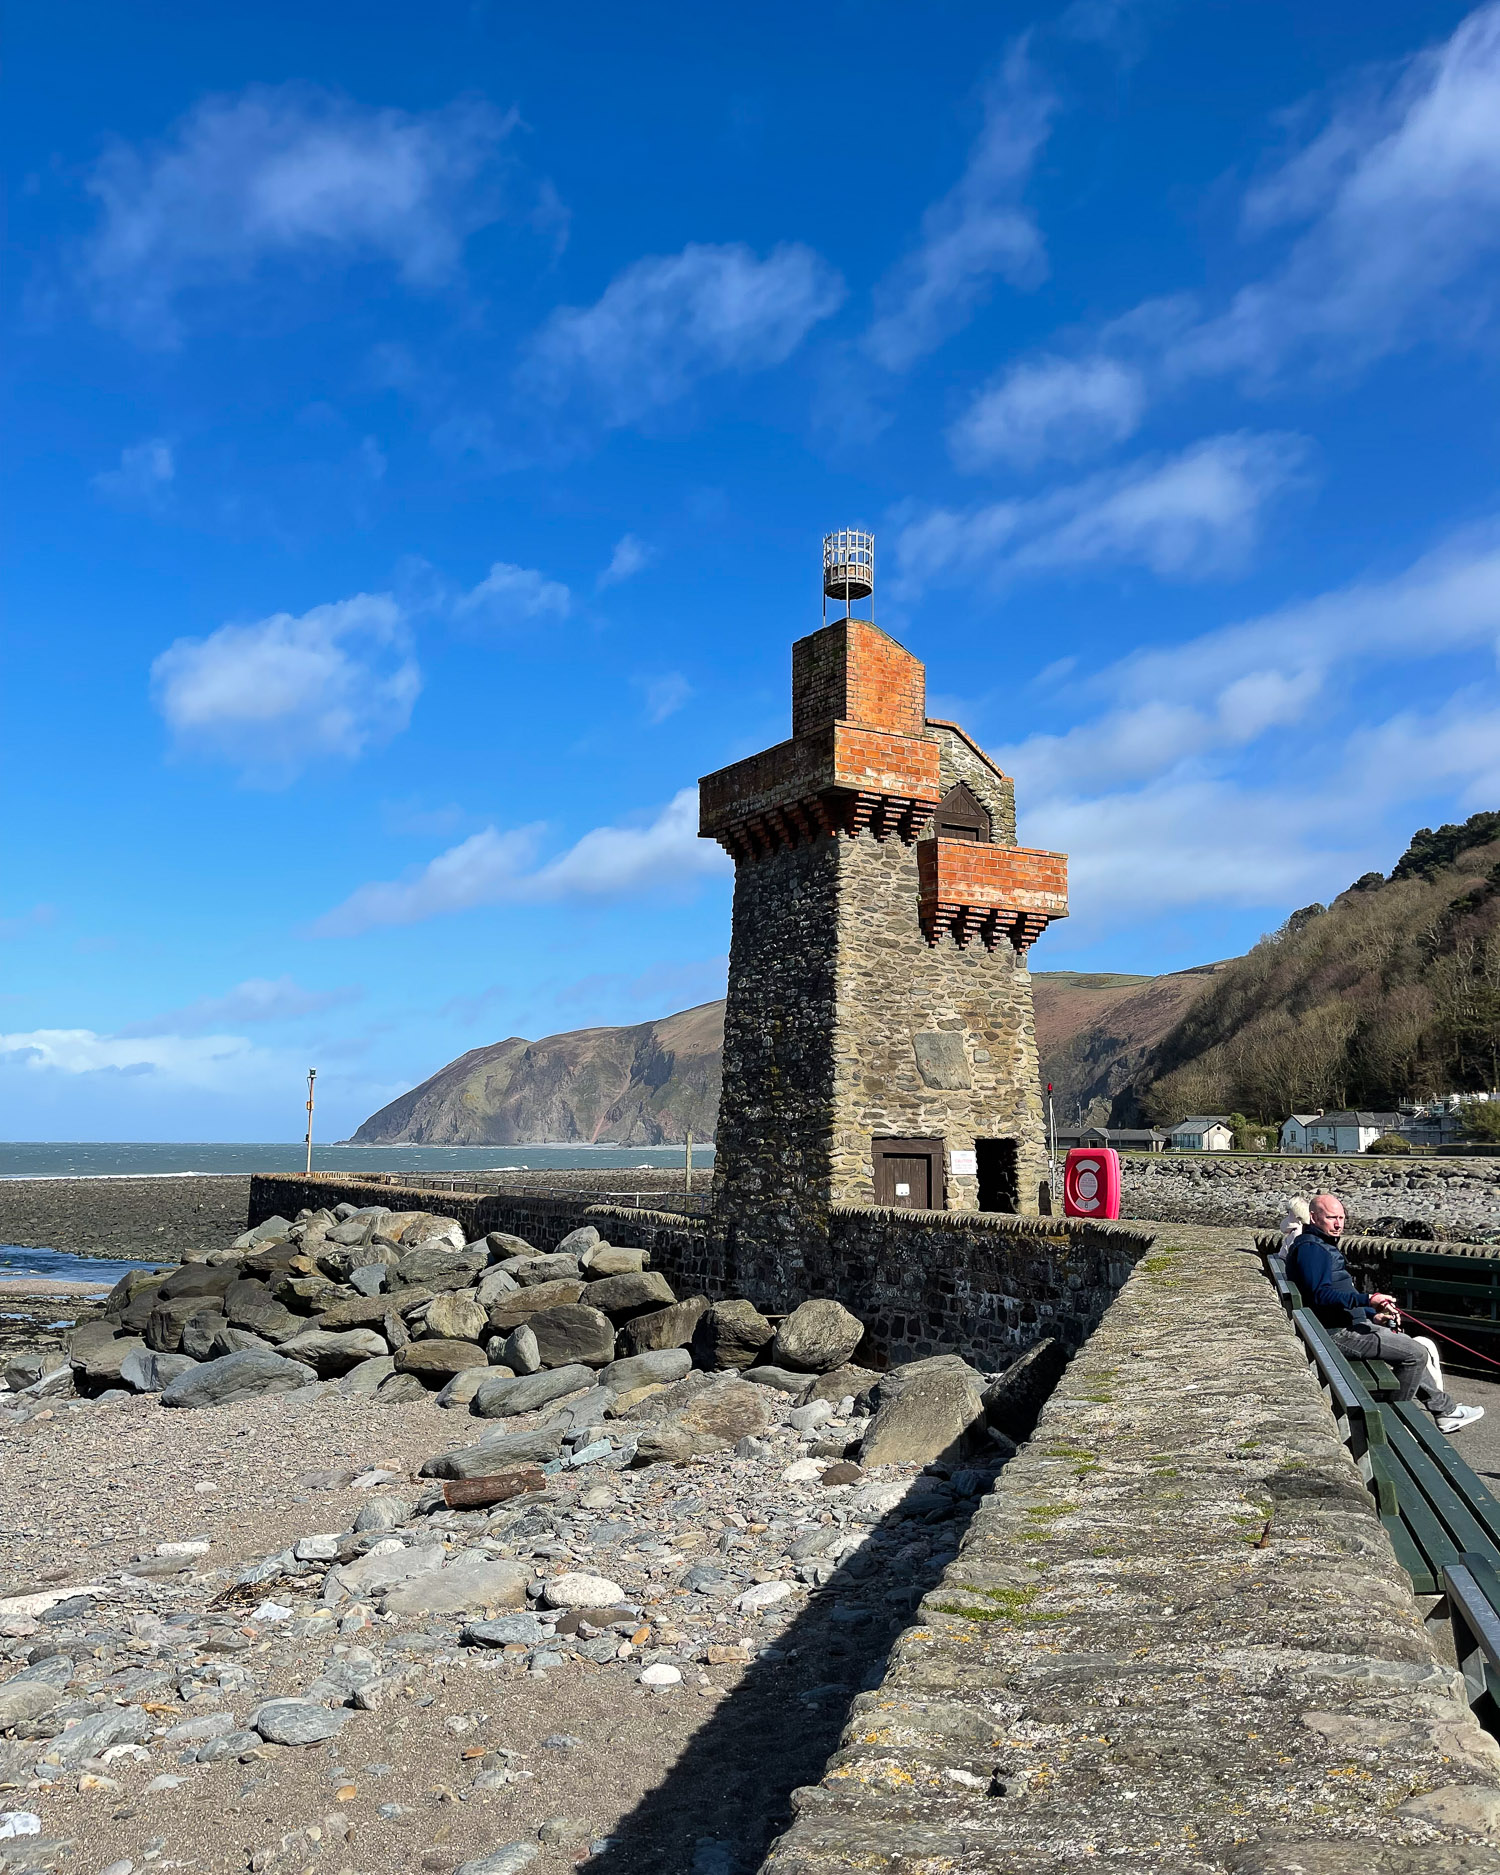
1201 1132
1294 1131
1349 1132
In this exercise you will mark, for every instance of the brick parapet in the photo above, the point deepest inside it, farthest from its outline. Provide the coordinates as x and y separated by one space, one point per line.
1175 1640
851 671
970 889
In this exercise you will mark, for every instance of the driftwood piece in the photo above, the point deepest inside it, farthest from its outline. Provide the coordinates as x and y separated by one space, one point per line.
478 1493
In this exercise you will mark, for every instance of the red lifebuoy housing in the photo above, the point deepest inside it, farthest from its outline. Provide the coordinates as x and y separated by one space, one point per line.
1091 1182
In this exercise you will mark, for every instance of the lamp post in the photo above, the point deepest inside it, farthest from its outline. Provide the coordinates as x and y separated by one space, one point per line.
312 1075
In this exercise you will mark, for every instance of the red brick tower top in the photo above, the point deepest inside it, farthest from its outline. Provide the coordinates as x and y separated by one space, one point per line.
850 672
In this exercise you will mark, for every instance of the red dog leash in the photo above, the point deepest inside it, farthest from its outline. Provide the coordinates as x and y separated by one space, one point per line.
1406 1315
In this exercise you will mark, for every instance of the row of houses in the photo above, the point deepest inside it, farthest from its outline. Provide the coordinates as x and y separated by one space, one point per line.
1347 1131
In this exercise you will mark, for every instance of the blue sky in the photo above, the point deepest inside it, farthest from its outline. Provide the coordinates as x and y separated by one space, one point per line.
423 424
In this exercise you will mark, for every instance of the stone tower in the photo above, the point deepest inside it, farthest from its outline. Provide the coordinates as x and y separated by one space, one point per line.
879 1042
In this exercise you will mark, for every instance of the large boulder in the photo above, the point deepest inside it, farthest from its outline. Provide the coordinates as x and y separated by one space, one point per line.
199 1331
607 1259
731 1410
137 1311
333 1354
248 1304
167 1320
129 1286
529 1270
672 1327
659 1368
371 1311
438 1267
434 1230
519 1351
471 1581
306 1295
839 1383
502 1398
927 1410
638 1293
436 1362
197 1279
96 1360
816 1337
730 1334
573 1334
147 1371
461 1389
369 1376
340 1264
272 1230
497 1452
1013 1402
511 1310
578 1241
456 1315
236 1341
246 1376
494 1284
668 1443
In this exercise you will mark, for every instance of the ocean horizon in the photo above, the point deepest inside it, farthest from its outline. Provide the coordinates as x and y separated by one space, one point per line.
207 1159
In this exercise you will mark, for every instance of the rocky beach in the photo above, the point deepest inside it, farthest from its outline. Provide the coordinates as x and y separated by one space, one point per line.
348 1545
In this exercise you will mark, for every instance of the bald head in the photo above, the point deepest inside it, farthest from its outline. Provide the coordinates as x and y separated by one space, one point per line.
1327 1214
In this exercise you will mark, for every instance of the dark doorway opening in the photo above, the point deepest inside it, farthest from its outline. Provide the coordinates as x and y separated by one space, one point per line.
998 1163
909 1174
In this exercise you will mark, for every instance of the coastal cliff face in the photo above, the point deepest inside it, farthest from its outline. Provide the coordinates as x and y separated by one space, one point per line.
640 1086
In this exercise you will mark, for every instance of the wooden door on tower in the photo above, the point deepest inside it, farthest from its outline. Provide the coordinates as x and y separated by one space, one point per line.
909 1174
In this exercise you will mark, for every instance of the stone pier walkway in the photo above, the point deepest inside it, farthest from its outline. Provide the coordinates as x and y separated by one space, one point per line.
1175 1637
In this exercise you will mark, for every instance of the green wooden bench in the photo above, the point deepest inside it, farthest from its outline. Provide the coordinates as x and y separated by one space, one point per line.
1473 1590
1460 1295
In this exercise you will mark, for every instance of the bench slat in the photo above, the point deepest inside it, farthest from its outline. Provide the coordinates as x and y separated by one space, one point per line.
1461 1475
1461 1529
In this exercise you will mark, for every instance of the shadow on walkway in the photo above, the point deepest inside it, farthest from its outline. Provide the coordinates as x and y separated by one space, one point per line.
718 1808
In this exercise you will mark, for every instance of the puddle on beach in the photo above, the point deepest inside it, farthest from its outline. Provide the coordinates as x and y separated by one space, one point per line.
16 1264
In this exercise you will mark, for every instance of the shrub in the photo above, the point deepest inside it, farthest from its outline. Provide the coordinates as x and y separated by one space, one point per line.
1389 1144
1481 1121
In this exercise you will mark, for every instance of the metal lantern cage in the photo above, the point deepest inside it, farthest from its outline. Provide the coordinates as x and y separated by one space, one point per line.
848 568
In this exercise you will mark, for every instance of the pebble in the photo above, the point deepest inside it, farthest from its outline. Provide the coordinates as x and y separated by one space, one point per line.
661 1675
577 1590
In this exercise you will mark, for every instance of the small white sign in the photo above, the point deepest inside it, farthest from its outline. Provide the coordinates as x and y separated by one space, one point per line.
903 1191
963 1164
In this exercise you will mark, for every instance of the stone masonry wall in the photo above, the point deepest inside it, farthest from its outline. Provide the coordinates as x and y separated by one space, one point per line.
959 760
1457 1198
893 986
1175 1640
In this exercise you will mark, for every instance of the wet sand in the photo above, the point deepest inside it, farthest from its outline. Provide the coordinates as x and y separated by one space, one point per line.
133 1219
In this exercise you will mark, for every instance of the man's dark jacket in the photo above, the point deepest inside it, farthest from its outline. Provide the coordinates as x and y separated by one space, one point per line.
1316 1265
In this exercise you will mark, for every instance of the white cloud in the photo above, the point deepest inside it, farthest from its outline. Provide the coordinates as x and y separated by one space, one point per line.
669 321
666 695
290 173
1188 516
493 868
978 230
514 595
216 1062
628 558
1049 407
257 999
145 473
276 695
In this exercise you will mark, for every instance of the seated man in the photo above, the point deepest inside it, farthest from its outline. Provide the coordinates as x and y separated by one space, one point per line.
1363 1326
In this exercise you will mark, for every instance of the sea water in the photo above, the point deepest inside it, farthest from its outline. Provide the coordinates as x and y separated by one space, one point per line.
127 1159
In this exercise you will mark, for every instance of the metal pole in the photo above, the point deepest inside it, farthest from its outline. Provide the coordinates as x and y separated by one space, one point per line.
1051 1142
312 1075
687 1171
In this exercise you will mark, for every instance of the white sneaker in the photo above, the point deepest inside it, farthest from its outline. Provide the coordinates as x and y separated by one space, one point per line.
1460 1417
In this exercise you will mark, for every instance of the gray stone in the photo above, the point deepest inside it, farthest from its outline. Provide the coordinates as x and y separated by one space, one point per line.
383 1513
457 1315
401 1390
527 1271
519 1351
499 1452
664 1328
730 1334
928 1410
461 1389
369 1279
659 1368
146 1371
436 1268
199 1332
227 1745
607 1259
369 1376
521 1304
379 1570
779 1379
249 1304
505 1630
100 1366
372 1311
839 1383
472 1581
246 1376
509 1859
500 1398
202 1725
436 1362
25 1699
115 1725
493 1285
667 1442
26 1368
573 1335
729 1411
502 1243
1012 1403
819 1335
333 1352
273 1230
586 1237
237 1341
640 1293
941 1060
297 1722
